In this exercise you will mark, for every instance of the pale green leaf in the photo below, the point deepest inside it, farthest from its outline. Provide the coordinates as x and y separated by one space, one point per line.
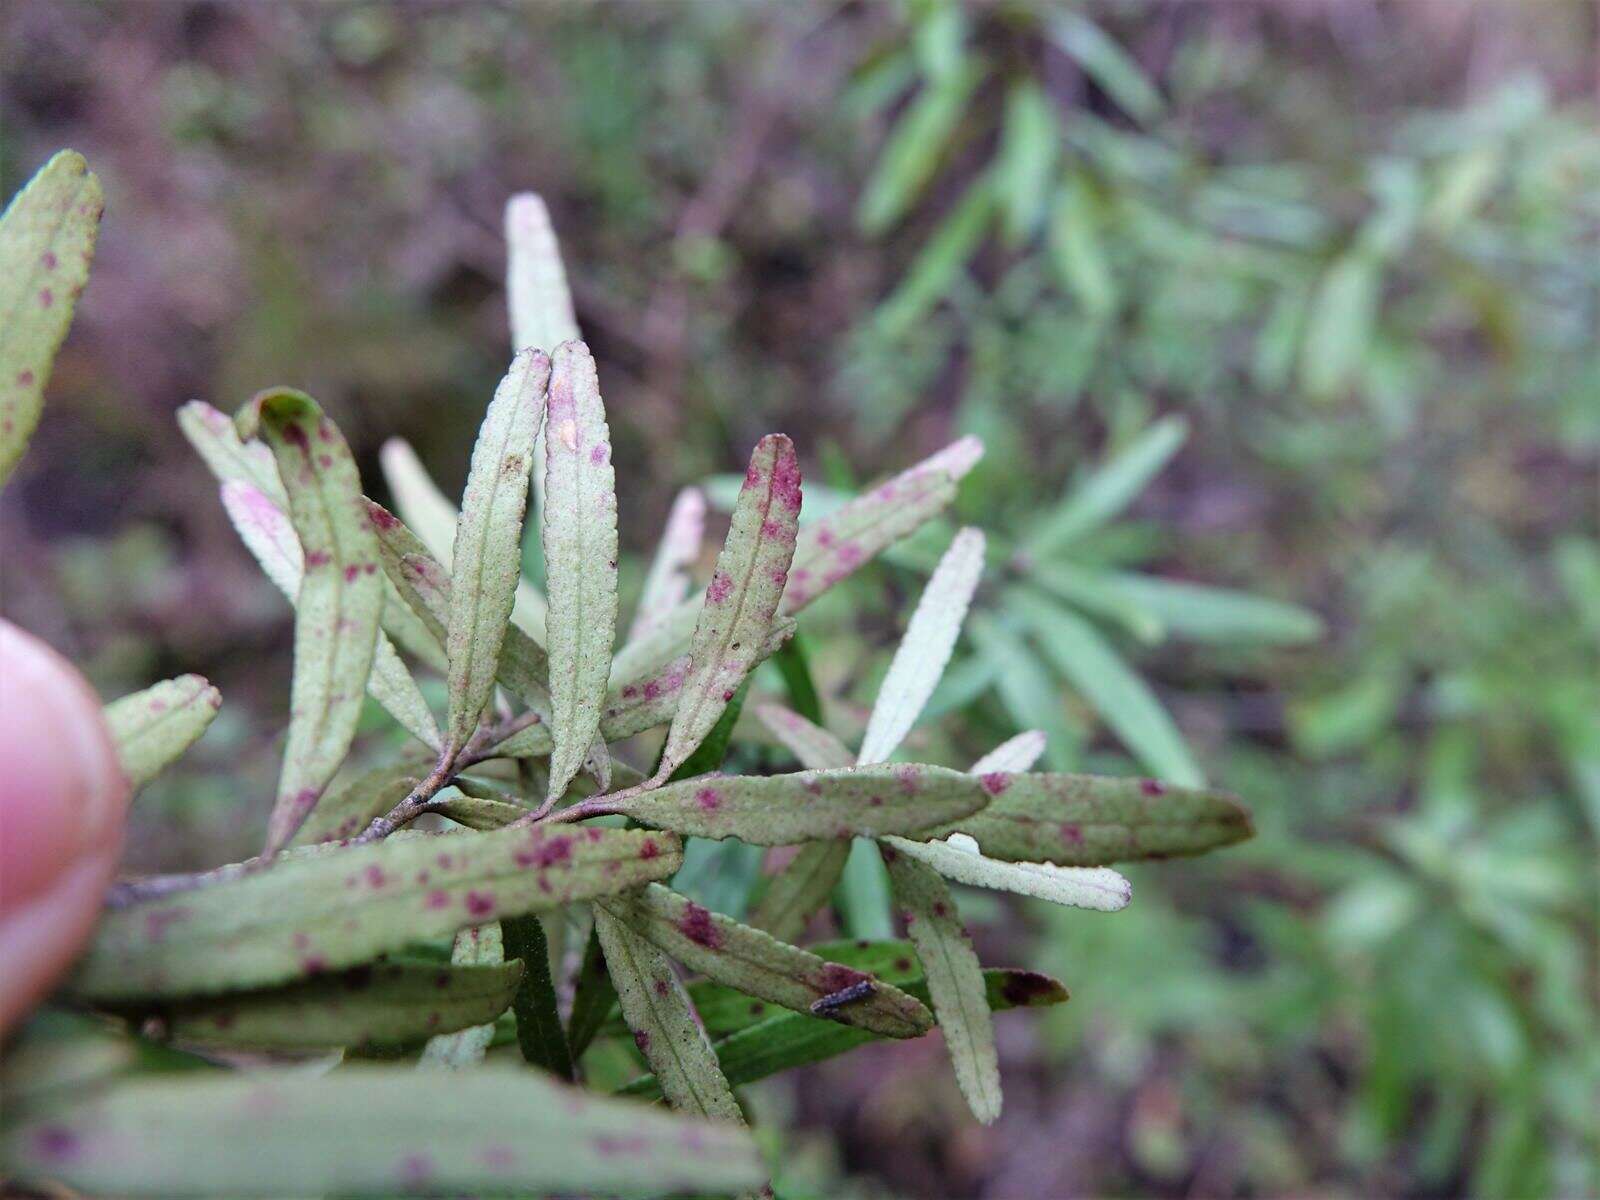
1107 63
782 810
667 584
349 806
1216 615
663 1022
800 889
1029 145
537 295
47 237
339 602
1126 702
1077 250
1029 693
1093 821
959 859
481 811
152 728
934 271
1339 326
268 534
1099 593
760 965
230 458
955 980
372 1130
742 599
580 554
1016 754
333 908
813 746
475 946
395 1003
1109 489
487 556
914 148
925 650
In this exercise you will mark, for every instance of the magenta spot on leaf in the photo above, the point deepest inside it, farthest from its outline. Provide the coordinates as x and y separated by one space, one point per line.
727 695
608 1146
697 926
556 850
318 558
46 297
480 904
382 518
721 585
445 861
641 1039
849 554
56 1143
594 835
662 987
296 436
786 479
351 572
779 577
835 977
824 538
1152 787
597 455
325 461
941 909
157 923
437 899
708 799
908 778
375 876
629 692
1071 834
158 706
649 849
48 258
325 430
314 964
995 782
25 378
369 568
652 689
890 854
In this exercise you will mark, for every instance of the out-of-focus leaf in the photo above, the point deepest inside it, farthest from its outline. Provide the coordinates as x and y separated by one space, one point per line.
480 946
488 544
231 459
47 237
1098 592
790 1040
1030 695
800 889
925 650
337 908
593 996
742 598
863 894
1030 142
930 276
783 810
152 728
793 665
667 584
1016 754
1212 614
483 810
1107 63
1093 821
758 964
339 602
815 747
658 1011
356 1130
955 981
1339 326
913 149
349 807
1077 251
269 535
959 859
539 1032
395 1003
1126 702
1109 489
580 554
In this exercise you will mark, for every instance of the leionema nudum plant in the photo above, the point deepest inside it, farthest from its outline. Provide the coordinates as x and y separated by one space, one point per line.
415 964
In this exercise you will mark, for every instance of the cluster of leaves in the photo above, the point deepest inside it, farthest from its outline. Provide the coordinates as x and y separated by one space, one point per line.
357 934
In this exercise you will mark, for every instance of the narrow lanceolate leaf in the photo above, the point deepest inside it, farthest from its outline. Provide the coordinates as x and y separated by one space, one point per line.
789 1040
358 1130
759 965
153 727
955 980
47 237
480 946
1092 821
429 512
958 858
815 747
925 650
539 1032
800 889
338 908
580 554
536 282
593 997
488 543
478 812
782 810
664 1027
340 599
1110 488
667 584
230 458
742 598
349 806
1017 754
385 1004
268 534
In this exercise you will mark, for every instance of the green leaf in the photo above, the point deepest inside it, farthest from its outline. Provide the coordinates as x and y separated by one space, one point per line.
327 909
1030 142
959 859
349 807
269 535
152 728
667 584
580 554
658 1012
539 1033
1077 251
955 980
1126 702
593 996
1093 821
1107 63
480 811
813 746
925 650
789 1040
477 945
1100 593
713 751
488 545
359 1130
913 149
742 598
782 810
47 237
800 889
760 965
1028 692
1015 754
231 459
1216 615
793 665
932 273
397 1003
340 598
1109 489
1340 324
863 900
537 294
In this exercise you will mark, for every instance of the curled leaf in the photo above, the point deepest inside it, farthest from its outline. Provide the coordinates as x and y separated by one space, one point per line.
229 457
152 728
